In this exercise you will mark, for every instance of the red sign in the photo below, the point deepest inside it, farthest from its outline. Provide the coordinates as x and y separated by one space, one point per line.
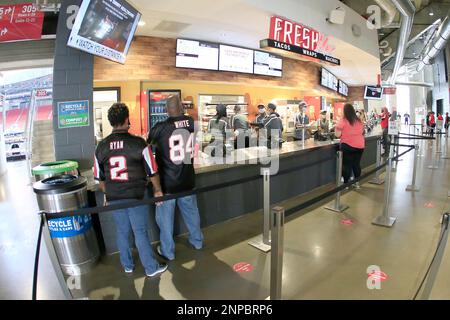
338 111
242 267
41 93
389 90
20 22
296 34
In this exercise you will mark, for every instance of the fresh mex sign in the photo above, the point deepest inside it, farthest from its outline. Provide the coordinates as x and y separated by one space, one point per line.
295 37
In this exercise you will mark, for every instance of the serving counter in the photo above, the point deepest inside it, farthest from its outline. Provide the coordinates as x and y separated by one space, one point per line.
317 159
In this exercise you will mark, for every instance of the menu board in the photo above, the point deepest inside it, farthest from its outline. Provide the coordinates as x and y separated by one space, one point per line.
267 64
343 88
329 80
235 59
197 54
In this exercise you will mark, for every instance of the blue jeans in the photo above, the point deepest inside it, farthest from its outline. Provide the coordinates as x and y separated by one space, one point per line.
134 220
165 214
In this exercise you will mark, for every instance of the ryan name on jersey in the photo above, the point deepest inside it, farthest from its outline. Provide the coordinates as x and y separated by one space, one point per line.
116 145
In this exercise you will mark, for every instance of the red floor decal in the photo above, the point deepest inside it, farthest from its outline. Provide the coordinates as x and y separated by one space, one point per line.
429 204
347 222
242 267
380 276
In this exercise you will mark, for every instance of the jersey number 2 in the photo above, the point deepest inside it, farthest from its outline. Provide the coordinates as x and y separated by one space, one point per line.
118 168
178 148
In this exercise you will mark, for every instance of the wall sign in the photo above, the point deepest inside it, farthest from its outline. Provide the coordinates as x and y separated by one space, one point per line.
73 114
295 37
20 22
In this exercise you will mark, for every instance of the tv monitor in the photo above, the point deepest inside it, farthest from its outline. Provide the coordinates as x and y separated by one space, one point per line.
104 28
235 59
197 54
267 64
373 93
343 88
329 80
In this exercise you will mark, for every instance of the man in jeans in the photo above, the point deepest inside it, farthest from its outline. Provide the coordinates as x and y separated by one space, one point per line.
123 163
174 141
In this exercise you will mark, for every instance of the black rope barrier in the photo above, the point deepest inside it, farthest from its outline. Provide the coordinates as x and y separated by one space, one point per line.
136 203
445 227
36 259
327 194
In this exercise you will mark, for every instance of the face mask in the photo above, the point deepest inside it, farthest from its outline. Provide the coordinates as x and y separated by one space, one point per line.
262 111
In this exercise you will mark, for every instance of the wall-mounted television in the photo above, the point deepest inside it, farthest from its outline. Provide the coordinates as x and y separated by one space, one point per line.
343 88
373 93
105 28
197 54
235 59
329 80
267 64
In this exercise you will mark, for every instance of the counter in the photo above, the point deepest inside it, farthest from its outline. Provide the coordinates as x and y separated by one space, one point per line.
319 159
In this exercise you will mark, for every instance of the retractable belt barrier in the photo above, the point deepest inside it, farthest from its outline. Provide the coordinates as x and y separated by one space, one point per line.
96 210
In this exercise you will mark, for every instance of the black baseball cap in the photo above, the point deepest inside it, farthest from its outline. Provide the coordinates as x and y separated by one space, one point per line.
271 106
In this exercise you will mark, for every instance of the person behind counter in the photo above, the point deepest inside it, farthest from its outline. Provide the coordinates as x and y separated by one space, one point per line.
174 140
218 127
261 114
301 121
351 132
240 125
122 164
274 127
323 125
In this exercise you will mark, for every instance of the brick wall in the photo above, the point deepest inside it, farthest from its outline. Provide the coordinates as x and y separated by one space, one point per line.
152 58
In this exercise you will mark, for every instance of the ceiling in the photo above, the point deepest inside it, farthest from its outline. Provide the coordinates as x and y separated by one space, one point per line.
238 23
429 14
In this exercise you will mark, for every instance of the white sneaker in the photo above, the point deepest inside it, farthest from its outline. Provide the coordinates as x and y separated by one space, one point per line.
162 267
128 270
357 186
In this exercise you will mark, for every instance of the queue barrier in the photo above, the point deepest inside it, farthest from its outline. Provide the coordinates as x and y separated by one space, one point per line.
102 209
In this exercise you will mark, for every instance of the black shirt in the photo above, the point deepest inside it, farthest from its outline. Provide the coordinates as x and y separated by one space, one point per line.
174 141
124 161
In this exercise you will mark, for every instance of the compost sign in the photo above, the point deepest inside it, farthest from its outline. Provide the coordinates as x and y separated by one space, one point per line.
73 114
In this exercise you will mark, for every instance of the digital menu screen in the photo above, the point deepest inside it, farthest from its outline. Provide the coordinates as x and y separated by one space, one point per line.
329 80
267 64
343 88
235 59
197 54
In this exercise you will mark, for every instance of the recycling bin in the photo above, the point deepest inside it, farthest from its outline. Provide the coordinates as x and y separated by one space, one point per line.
73 238
50 169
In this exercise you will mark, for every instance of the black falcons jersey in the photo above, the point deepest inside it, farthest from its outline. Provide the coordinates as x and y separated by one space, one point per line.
124 161
174 141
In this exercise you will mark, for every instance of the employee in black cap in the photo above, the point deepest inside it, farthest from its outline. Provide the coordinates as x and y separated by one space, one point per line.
261 114
218 127
323 125
301 122
273 126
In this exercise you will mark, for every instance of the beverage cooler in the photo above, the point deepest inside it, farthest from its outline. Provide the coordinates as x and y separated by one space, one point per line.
157 105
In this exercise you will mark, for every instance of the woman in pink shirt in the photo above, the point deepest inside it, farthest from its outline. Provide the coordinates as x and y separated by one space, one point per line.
351 131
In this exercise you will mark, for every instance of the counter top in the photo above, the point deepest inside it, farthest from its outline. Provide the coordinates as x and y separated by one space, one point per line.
203 163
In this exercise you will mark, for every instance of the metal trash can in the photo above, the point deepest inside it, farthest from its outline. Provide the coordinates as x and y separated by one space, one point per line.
74 238
50 169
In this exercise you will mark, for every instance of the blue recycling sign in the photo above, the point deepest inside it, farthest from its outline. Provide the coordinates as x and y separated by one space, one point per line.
69 226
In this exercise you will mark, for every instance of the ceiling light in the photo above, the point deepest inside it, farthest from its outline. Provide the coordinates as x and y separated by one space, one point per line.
431 14
141 23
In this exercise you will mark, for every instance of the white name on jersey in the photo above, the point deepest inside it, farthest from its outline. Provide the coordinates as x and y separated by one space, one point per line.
181 124
116 145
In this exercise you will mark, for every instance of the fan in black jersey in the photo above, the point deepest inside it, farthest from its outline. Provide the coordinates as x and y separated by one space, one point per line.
122 164
174 141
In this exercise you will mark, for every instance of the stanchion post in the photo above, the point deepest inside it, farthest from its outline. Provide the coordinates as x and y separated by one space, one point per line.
262 242
445 155
438 142
384 219
337 206
276 255
412 186
438 259
433 158
54 259
377 179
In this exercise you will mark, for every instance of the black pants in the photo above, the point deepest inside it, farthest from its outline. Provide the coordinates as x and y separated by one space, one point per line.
385 141
351 161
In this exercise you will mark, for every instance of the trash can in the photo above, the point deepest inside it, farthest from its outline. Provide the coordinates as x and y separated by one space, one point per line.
74 238
50 169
